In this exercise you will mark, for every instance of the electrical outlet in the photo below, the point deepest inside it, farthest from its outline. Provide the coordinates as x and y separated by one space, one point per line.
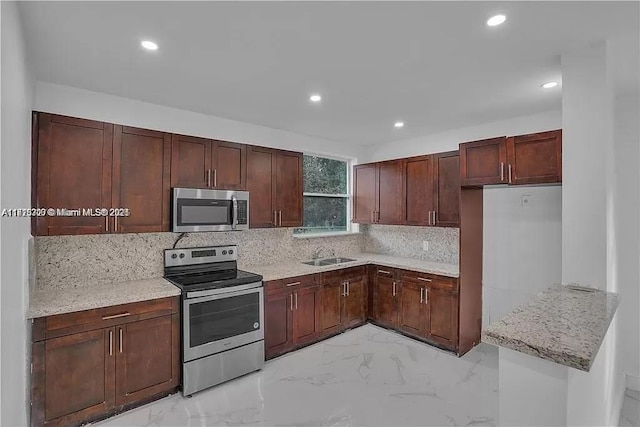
425 245
525 201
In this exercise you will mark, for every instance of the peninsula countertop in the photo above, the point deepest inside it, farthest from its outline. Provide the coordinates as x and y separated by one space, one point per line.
48 302
287 269
563 324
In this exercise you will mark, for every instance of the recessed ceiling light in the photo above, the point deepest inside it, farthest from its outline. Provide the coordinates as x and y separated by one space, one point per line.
398 124
315 98
549 85
496 20
149 45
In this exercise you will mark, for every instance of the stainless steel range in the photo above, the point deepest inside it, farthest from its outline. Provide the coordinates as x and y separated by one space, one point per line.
222 315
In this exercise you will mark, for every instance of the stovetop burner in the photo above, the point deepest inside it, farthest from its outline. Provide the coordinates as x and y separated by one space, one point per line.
213 267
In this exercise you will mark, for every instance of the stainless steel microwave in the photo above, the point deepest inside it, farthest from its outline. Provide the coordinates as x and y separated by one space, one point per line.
196 209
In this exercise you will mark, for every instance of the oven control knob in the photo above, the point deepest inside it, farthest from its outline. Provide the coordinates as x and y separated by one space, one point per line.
224 252
174 256
181 255
230 251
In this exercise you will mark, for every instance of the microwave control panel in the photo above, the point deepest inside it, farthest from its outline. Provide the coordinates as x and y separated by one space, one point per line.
242 212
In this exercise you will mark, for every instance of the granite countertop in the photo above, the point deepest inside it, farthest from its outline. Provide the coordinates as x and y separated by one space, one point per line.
47 302
297 268
561 324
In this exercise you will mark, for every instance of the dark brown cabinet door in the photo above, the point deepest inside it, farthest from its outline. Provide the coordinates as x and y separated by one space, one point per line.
331 303
141 179
289 189
277 323
535 158
190 161
364 194
418 192
261 164
390 203
483 162
386 311
446 186
412 308
73 172
79 378
229 166
442 317
355 302
306 315
146 363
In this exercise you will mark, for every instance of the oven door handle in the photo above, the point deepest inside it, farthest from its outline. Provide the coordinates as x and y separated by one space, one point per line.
221 293
234 213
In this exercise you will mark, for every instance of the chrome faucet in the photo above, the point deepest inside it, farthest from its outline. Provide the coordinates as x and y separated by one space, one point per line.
316 252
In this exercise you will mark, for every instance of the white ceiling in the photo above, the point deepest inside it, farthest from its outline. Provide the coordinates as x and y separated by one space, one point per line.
434 65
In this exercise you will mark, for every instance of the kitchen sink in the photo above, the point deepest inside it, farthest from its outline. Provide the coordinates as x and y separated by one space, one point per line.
328 261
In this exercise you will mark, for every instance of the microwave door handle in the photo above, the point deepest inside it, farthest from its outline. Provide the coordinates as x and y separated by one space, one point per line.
234 220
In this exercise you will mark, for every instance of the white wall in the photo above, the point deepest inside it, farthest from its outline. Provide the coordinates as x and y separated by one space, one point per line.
522 246
53 98
16 94
447 141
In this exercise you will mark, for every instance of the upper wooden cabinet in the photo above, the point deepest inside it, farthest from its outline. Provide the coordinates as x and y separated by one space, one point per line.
274 181
446 189
72 161
206 163
483 162
418 190
83 164
378 193
140 179
524 159
535 158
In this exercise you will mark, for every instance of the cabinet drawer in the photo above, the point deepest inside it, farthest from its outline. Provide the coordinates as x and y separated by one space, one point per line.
384 271
292 282
104 317
343 274
431 280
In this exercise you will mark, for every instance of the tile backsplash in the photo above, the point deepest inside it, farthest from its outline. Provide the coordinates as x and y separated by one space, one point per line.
89 260
406 241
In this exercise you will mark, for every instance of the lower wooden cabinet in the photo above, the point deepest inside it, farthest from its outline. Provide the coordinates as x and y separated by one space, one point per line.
385 297
343 299
88 365
291 314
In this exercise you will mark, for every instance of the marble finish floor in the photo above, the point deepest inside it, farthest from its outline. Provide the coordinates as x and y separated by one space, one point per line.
630 414
364 377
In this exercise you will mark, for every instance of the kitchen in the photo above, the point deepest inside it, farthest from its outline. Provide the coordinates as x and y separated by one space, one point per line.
383 239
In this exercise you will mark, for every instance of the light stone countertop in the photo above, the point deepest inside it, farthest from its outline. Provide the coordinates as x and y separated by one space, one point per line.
561 324
59 301
297 268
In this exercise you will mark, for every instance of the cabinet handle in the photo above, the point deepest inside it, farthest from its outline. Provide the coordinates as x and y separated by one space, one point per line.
115 223
208 177
424 279
347 287
377 216
509 173
280 218
215 177
501 171
115 316
434 218
429 219
291 302
421 297
296 300
344 289
275 220
426 295
293 284
384 272
394 289
106 223
120 339
110 343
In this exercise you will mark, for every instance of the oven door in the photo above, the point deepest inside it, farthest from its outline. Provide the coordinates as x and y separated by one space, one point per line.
221 320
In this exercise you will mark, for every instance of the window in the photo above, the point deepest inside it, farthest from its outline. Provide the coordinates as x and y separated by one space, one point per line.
326 196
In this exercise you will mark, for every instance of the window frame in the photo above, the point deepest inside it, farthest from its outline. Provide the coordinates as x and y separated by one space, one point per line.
351 228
